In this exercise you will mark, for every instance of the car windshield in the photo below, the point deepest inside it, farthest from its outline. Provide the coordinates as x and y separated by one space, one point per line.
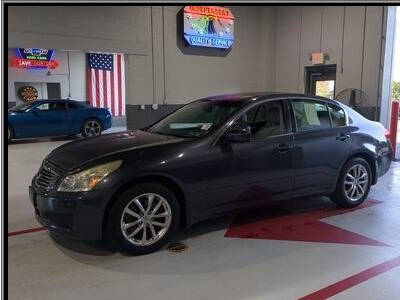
196 119
21 107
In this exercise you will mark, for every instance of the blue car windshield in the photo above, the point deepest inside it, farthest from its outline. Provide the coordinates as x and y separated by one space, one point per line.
21 107
196 119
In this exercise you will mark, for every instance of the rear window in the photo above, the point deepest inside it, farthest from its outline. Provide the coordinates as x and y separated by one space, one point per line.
310 115
337 115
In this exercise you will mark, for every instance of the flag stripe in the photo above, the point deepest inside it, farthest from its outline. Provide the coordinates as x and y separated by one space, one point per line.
96 72
112 93
108 90
93 77
105 89
89 83
100 90
116 95
123 84
119 86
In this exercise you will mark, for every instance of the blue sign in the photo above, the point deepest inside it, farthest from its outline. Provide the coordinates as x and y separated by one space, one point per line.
35 54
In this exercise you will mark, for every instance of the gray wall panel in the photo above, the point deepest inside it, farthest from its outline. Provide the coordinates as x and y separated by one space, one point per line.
290 75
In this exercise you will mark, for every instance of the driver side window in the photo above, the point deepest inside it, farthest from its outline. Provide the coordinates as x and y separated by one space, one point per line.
265 120
43 107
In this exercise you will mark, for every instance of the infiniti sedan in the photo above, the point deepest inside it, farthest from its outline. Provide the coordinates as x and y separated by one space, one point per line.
213 156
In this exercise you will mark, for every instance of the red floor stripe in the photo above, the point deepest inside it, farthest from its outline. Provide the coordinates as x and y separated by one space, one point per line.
354 280
30 230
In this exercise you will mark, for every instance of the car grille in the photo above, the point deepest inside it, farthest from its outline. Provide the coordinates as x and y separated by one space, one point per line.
46 177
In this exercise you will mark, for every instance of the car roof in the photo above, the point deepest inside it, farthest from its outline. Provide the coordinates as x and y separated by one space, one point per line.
57 100
247 97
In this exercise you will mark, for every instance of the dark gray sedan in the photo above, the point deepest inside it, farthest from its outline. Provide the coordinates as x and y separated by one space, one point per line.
213 156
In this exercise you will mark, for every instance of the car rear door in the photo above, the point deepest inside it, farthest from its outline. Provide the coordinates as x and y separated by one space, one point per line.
322 142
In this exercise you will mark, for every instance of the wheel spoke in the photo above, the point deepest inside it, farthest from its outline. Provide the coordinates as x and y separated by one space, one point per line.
363 181
164 214
353 189
361 189
144 236
149 203
132 213
135 231
158 223
138 204
153 232
351 177
129 225
156 208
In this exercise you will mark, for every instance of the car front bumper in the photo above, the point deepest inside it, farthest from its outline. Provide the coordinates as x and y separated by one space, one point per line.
74 215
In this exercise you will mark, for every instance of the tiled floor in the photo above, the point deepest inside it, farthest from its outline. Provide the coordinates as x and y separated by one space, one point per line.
216 265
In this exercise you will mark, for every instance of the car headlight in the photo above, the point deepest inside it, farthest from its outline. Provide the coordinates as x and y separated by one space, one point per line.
86 180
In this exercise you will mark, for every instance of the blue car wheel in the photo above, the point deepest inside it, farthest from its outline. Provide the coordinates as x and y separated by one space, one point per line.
91 127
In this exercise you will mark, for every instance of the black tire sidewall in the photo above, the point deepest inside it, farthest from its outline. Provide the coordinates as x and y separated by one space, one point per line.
340 196
11 133
84 125
114 231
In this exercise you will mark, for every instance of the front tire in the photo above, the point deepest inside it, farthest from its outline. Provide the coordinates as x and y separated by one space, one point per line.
10 133
143 219
91 127
353 184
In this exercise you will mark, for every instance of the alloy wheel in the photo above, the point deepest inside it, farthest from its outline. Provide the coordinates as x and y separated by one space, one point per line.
92 128
356 182
146 219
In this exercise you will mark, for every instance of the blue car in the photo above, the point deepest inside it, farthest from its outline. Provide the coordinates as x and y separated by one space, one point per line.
55 118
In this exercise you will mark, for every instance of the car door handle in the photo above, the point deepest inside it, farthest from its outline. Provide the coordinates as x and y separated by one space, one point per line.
342 137
284 147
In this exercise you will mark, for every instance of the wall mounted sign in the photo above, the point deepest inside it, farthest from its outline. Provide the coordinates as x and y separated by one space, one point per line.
35 58
317 58
208 26
28 93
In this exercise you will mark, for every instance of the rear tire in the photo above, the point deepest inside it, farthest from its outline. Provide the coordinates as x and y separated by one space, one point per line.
354 183
91 128
147 227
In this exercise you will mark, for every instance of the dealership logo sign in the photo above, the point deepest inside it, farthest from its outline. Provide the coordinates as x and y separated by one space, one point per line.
35 58
208 26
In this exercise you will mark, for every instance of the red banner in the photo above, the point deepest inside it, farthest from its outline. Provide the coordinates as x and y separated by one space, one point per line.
29 63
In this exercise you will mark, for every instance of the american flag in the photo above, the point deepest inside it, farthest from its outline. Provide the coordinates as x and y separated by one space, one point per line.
106 82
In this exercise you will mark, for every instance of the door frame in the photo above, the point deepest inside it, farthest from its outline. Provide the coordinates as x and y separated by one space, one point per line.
318 73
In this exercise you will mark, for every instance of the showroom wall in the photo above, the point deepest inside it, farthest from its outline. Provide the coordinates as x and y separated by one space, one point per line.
142 34
71 74
302 30
270 50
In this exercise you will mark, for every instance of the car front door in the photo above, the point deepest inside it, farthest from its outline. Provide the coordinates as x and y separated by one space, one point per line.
257 171
50 118
322 143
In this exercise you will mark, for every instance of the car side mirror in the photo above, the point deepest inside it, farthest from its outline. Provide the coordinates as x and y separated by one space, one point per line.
238 133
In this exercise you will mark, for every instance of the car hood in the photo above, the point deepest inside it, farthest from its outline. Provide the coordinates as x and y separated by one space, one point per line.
72 155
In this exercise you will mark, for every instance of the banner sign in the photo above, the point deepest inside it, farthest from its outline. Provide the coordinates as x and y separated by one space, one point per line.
35 58
208 26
